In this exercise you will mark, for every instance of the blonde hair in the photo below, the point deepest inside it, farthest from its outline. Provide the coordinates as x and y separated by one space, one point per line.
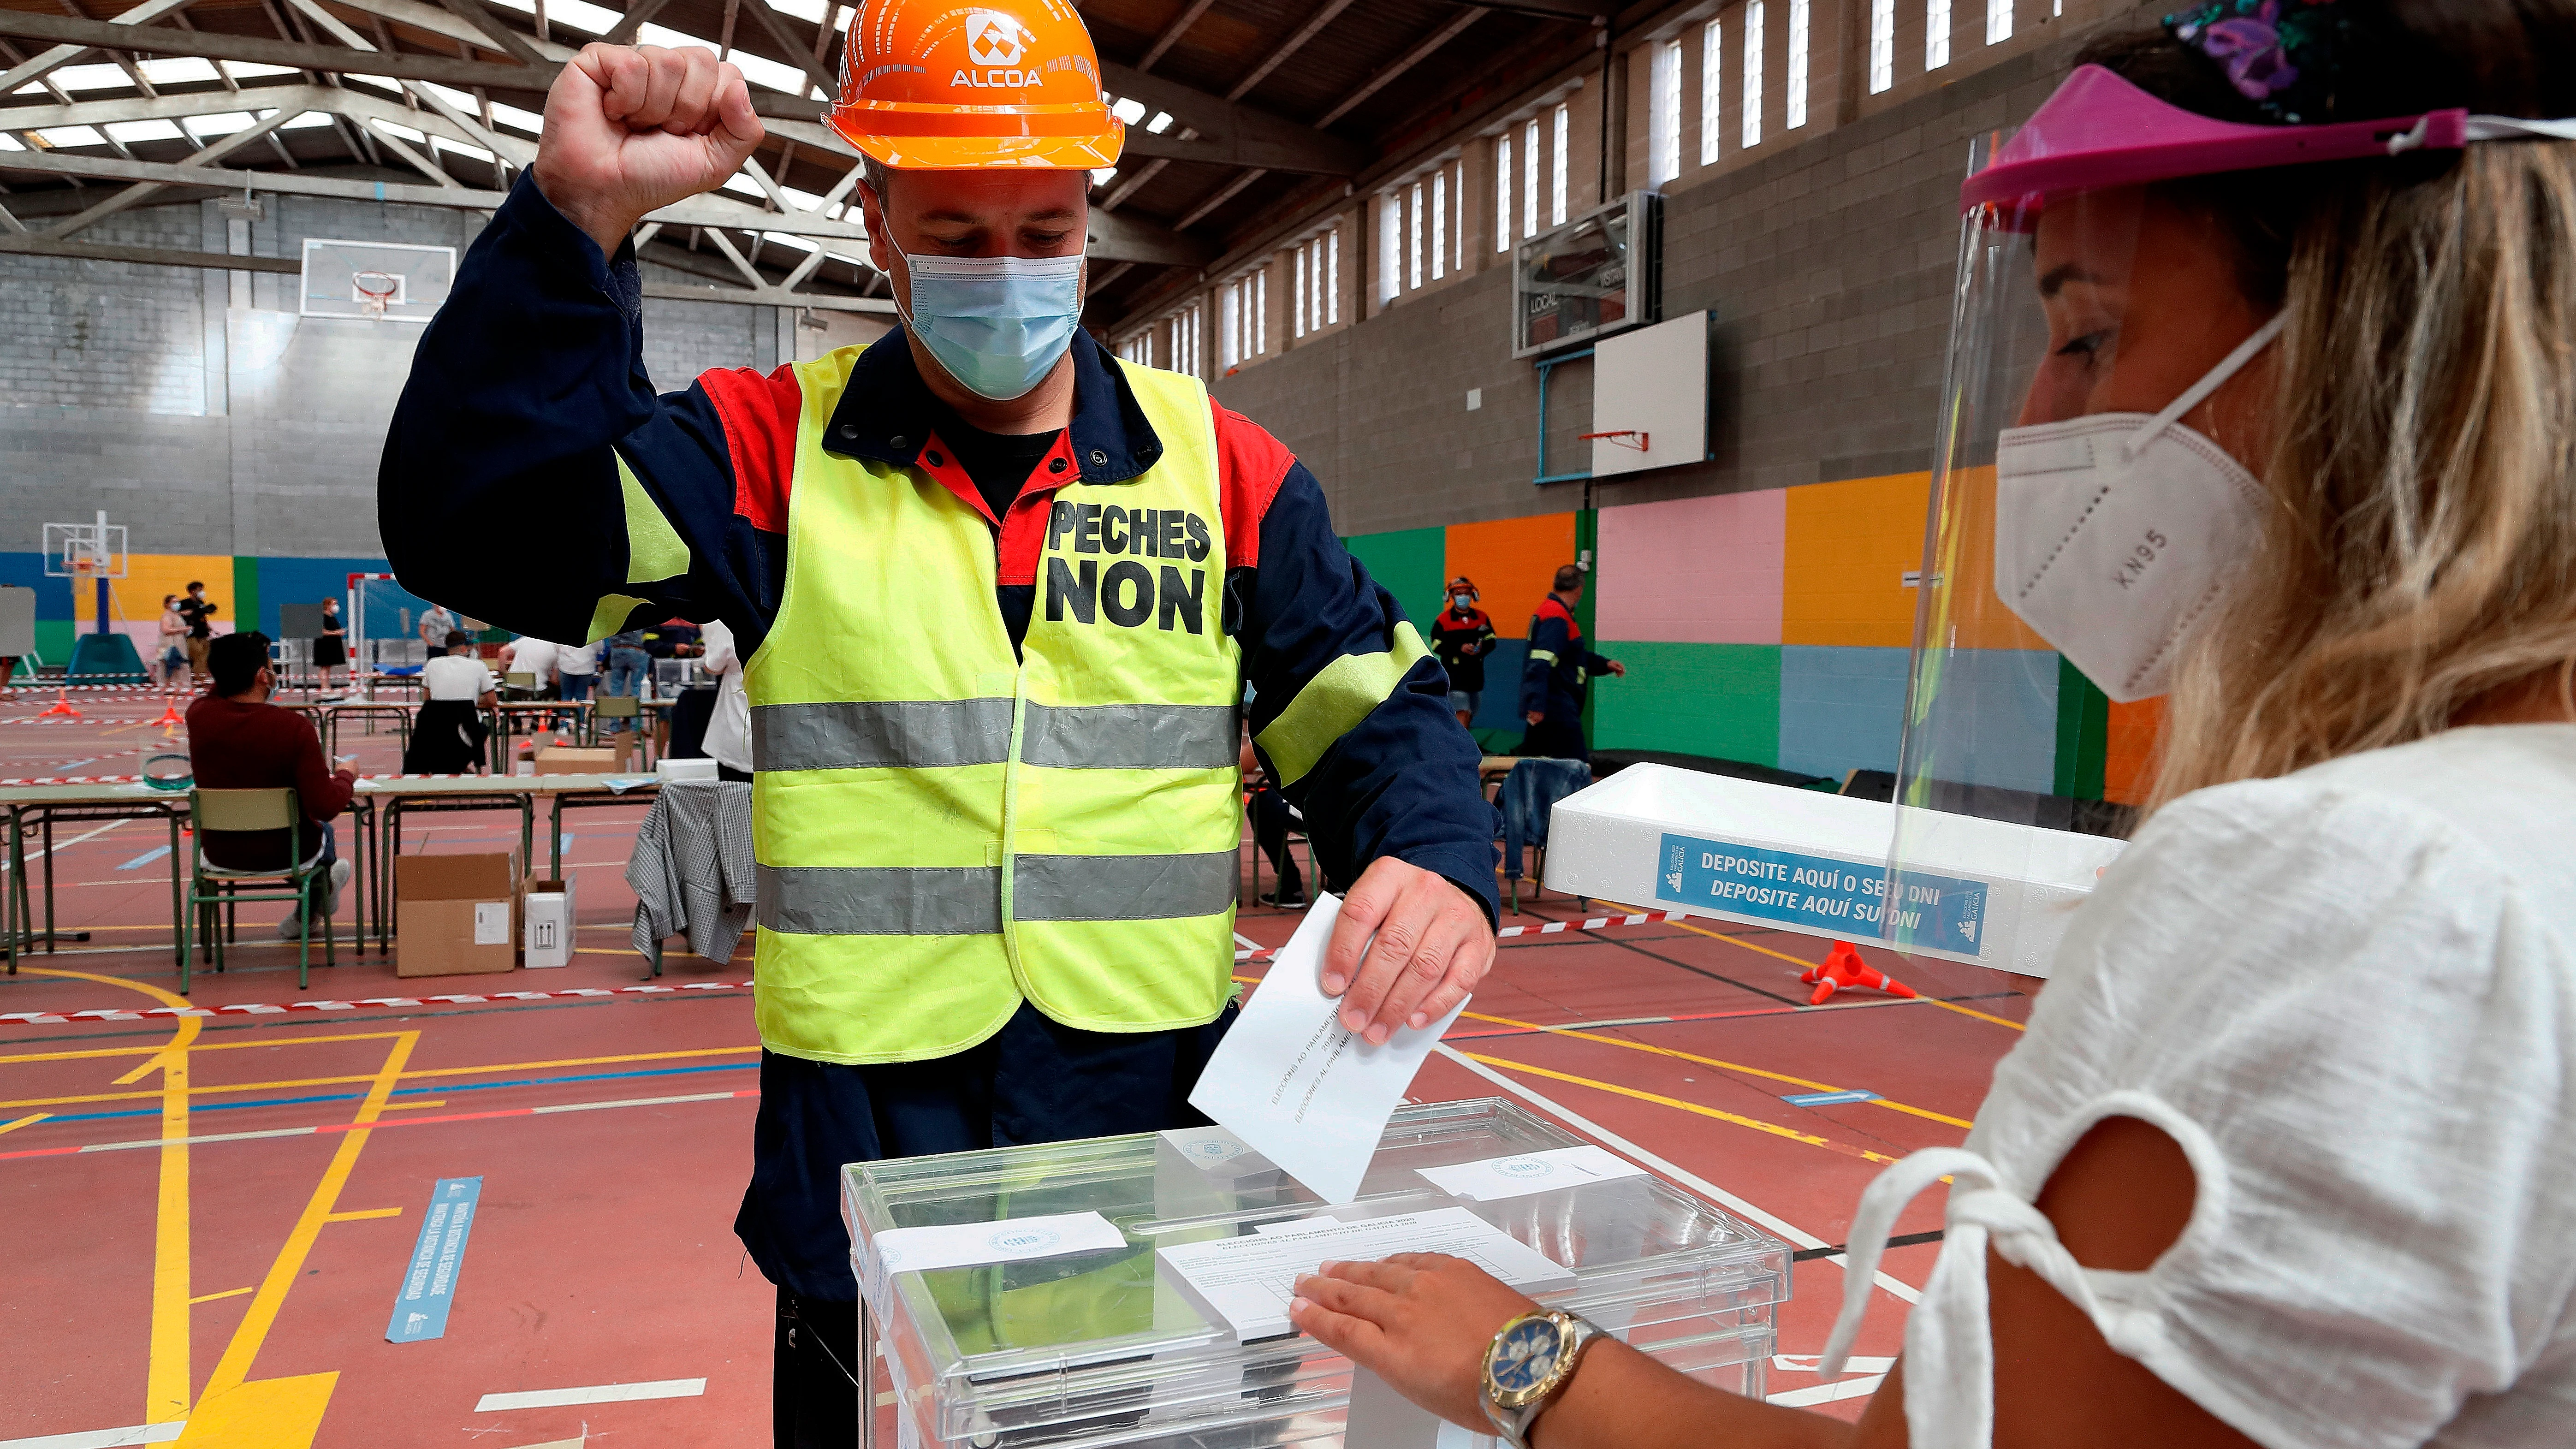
2419 556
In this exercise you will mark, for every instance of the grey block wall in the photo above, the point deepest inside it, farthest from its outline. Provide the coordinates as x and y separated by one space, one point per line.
211 427
1827 265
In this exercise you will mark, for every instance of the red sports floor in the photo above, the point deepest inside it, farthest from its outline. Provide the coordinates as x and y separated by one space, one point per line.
210 1217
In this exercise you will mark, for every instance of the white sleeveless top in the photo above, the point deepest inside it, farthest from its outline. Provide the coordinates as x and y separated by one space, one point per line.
2350 996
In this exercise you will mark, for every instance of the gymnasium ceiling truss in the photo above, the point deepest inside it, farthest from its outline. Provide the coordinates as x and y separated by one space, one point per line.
1237 109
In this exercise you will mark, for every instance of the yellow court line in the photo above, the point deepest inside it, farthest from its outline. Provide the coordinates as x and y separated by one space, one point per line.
413 1106
227 1293
1804 965
342 1081
234 1367
362 1214
1638 1046
247 1043
168 1373
1768 1128
29 1120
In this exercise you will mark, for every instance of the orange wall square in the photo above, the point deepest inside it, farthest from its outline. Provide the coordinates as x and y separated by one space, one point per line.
1849 546
1514 563
2129 750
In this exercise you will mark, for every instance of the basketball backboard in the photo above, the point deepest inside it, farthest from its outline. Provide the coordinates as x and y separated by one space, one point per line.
1650 397
85 550
375 281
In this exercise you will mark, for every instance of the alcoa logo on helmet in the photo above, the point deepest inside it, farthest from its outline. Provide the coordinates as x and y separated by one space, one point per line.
995 42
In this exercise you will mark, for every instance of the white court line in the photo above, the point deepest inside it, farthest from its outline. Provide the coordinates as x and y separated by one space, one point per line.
1827 1393
187 1141
1706 1188
628 1102
595 1394
102 1438
59 847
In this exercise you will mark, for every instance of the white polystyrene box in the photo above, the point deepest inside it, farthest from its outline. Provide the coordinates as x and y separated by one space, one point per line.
1981 891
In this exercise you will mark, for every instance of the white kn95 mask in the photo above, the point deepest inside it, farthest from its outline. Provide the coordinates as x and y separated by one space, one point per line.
2116 533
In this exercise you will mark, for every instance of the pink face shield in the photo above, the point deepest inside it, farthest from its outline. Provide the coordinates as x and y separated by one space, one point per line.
2057 308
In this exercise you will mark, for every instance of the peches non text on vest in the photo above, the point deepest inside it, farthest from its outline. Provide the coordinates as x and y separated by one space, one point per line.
1129 593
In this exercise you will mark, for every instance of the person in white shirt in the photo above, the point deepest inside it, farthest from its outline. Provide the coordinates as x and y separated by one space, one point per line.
2287 1156
532 657
728 740
577 666
448 735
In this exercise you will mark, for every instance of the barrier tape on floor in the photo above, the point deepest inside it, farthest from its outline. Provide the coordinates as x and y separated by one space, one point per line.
261 1008
131 779
1550 928
44 1018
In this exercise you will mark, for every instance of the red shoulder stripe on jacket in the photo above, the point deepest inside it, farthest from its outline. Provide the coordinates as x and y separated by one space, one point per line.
760 416
1552 607
1251 465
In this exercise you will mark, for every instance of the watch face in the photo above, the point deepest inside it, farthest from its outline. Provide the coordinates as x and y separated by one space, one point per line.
1523 1358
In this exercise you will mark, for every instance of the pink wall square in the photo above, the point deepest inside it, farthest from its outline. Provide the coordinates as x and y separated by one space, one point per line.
1693 570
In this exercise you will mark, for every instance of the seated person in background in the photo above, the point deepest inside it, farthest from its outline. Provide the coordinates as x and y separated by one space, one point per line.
448 737
237 740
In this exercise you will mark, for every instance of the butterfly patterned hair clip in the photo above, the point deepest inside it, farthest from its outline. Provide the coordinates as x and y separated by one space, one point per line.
2279 54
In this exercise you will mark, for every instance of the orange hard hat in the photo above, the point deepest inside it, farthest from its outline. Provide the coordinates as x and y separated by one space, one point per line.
928 85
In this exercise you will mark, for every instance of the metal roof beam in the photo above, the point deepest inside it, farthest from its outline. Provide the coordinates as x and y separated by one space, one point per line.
331 59
1230 134
37 65
1400 65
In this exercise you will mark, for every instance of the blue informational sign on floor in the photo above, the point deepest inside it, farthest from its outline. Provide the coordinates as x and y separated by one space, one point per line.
1816 893
429 1285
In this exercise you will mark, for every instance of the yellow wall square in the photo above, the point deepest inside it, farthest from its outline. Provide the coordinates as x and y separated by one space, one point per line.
1849 546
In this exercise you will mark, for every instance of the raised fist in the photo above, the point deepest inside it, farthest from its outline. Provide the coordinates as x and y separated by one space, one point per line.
633 128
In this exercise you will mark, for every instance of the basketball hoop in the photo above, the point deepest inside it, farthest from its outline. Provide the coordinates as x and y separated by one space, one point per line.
1617 439
373 291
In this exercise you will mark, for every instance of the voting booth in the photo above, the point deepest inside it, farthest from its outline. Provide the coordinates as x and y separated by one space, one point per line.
1068 1294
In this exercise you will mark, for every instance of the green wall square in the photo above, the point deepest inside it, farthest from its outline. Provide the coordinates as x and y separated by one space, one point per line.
1720 700
1407 563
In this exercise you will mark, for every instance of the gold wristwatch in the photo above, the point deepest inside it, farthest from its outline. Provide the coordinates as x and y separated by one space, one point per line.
1531 1361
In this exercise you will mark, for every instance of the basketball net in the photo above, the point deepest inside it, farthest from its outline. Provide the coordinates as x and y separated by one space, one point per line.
375 290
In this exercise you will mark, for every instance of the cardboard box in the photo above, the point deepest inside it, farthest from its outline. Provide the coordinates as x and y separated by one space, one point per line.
550 914
456 915
582 759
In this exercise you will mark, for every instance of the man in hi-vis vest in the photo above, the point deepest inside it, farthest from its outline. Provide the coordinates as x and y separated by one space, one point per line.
997 595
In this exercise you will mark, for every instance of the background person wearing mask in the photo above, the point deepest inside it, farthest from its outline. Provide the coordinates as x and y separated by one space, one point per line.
174 641
1558 674
992 509
237 740
196 610
1462 636
2294 1175
331 650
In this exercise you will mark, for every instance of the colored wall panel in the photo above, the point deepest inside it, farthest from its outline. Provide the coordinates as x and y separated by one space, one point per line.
1998 720
27 570
1840 709
2129 750
1846 548
1976 616
1721 700
1406 563
310 581
1694 570
2083 722
1514 563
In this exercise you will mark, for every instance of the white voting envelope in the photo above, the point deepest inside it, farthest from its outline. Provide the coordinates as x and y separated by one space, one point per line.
1299 1089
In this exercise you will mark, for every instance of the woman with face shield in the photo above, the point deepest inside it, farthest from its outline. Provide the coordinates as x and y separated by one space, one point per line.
2262 398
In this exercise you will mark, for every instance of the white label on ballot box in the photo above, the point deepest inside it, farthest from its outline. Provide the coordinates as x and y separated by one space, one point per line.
1502 1177
968 1245
1295 1086
1246 1282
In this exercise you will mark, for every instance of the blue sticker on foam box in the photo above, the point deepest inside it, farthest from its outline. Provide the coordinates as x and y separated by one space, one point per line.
1823 895
429 1283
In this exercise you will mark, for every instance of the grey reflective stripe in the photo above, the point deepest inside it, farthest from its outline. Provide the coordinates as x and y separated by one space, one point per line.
862 735
1122 887
839 900
1131 736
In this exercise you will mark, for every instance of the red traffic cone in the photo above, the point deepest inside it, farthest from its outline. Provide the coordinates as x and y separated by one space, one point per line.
1843 967
62 705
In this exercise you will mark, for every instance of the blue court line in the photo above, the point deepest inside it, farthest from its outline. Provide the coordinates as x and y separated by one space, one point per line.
147 857
1828 1099
410 1092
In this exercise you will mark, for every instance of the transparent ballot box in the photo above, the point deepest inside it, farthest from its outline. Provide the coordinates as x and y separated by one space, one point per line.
1096 1349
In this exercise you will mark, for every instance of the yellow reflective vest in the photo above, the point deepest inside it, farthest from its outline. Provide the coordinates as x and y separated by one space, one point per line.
945 829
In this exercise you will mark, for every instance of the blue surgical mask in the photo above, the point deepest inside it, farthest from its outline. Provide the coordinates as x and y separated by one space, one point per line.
1463 601
998 325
